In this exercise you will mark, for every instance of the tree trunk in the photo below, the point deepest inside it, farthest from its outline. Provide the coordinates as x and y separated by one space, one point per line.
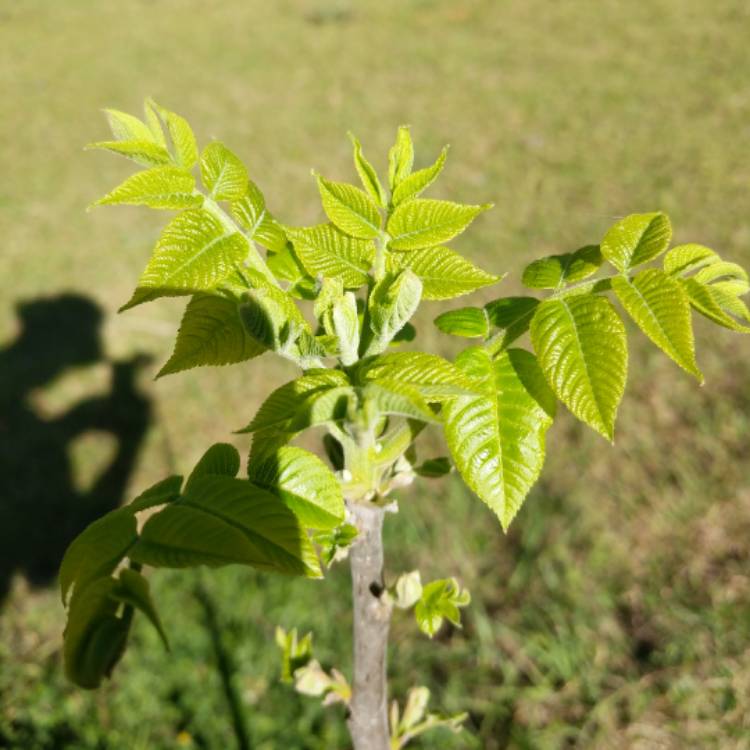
368 720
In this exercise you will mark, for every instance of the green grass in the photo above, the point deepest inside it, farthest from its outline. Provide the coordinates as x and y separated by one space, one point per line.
616 613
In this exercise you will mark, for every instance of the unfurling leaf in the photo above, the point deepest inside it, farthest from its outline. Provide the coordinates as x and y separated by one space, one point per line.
440 600
408 590
555 270
421 223
334 544
393 301
184 147
444 273
416 183
146 153
469 322
367 174
211 333
660 307
400 158
304 483
194 253
161 187
496 438
350 209
295 652
582 350
223 174
636 239
345 324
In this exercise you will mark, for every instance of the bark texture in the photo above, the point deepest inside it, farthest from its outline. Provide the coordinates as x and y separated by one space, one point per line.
368 720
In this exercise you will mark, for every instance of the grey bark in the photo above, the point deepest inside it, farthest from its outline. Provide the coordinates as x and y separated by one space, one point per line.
368 719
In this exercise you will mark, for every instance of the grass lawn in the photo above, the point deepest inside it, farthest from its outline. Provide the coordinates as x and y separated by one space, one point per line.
616 612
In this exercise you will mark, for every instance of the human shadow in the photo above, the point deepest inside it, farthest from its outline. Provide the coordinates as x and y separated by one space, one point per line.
41 510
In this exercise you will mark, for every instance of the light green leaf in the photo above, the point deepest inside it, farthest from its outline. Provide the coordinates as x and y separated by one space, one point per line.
496 438
184 147
97 550
393 397
161 187
271 318
211 333
636 239
444 273
407 590
414 184
350 209
721 269
285 265
434 377
582 350
660 307
512 315
469 322
716 306
555 270
126 127
295 653
334 544
322 407
133 589
304 483
161 493
345 322
282 405
220 459
194 253
367 174
421 223
400 158
222 520
147 153
440 600
326 252
251 214
392 302
223 174
684 258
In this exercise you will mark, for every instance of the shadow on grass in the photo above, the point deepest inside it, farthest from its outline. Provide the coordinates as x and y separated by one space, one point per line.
41 511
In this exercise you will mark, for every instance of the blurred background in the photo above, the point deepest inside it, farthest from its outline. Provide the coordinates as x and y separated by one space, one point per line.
616 612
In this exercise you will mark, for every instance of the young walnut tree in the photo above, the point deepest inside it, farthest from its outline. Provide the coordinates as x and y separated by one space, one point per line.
336 300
